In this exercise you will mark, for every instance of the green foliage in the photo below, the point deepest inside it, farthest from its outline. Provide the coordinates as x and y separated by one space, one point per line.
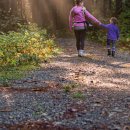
11 73
24 50
29 45
5 83
78 95
124 21
96 34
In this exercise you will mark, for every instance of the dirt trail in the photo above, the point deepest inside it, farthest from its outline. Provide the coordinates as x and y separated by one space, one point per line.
99 100
104 71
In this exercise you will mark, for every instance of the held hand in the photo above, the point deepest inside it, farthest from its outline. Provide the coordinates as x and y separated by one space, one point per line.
99 23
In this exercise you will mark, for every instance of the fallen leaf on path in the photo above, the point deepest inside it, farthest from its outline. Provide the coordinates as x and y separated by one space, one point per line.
126 128
37 126
5 110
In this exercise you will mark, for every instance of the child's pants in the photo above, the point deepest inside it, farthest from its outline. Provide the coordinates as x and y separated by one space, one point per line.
113 43
80 39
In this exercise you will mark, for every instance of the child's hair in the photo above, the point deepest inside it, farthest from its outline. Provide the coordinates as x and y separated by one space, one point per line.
78 2
114 20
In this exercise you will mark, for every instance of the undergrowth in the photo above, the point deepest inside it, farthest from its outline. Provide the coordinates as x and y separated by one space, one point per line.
24 50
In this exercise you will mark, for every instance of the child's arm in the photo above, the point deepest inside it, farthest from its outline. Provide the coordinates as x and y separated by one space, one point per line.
104 25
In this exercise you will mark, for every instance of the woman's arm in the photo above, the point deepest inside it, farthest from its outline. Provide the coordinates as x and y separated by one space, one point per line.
90 17
71 20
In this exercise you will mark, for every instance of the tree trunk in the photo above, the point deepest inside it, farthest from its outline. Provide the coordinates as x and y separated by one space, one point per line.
118 7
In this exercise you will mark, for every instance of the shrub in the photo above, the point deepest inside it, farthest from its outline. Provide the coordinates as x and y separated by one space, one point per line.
125 26
29 45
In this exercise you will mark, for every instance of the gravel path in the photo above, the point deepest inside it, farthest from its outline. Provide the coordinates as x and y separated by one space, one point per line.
98 96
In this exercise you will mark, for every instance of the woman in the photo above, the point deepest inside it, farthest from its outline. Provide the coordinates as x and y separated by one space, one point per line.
77 20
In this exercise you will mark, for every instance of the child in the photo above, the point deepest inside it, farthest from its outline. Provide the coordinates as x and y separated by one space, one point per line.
112 35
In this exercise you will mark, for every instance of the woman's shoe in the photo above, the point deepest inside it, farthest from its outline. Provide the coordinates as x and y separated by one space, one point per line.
82 53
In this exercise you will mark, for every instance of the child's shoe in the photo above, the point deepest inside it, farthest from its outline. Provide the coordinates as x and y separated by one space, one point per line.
109 52
113 53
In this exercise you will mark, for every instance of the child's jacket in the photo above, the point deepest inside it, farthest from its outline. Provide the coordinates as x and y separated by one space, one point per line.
78 16
113 31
